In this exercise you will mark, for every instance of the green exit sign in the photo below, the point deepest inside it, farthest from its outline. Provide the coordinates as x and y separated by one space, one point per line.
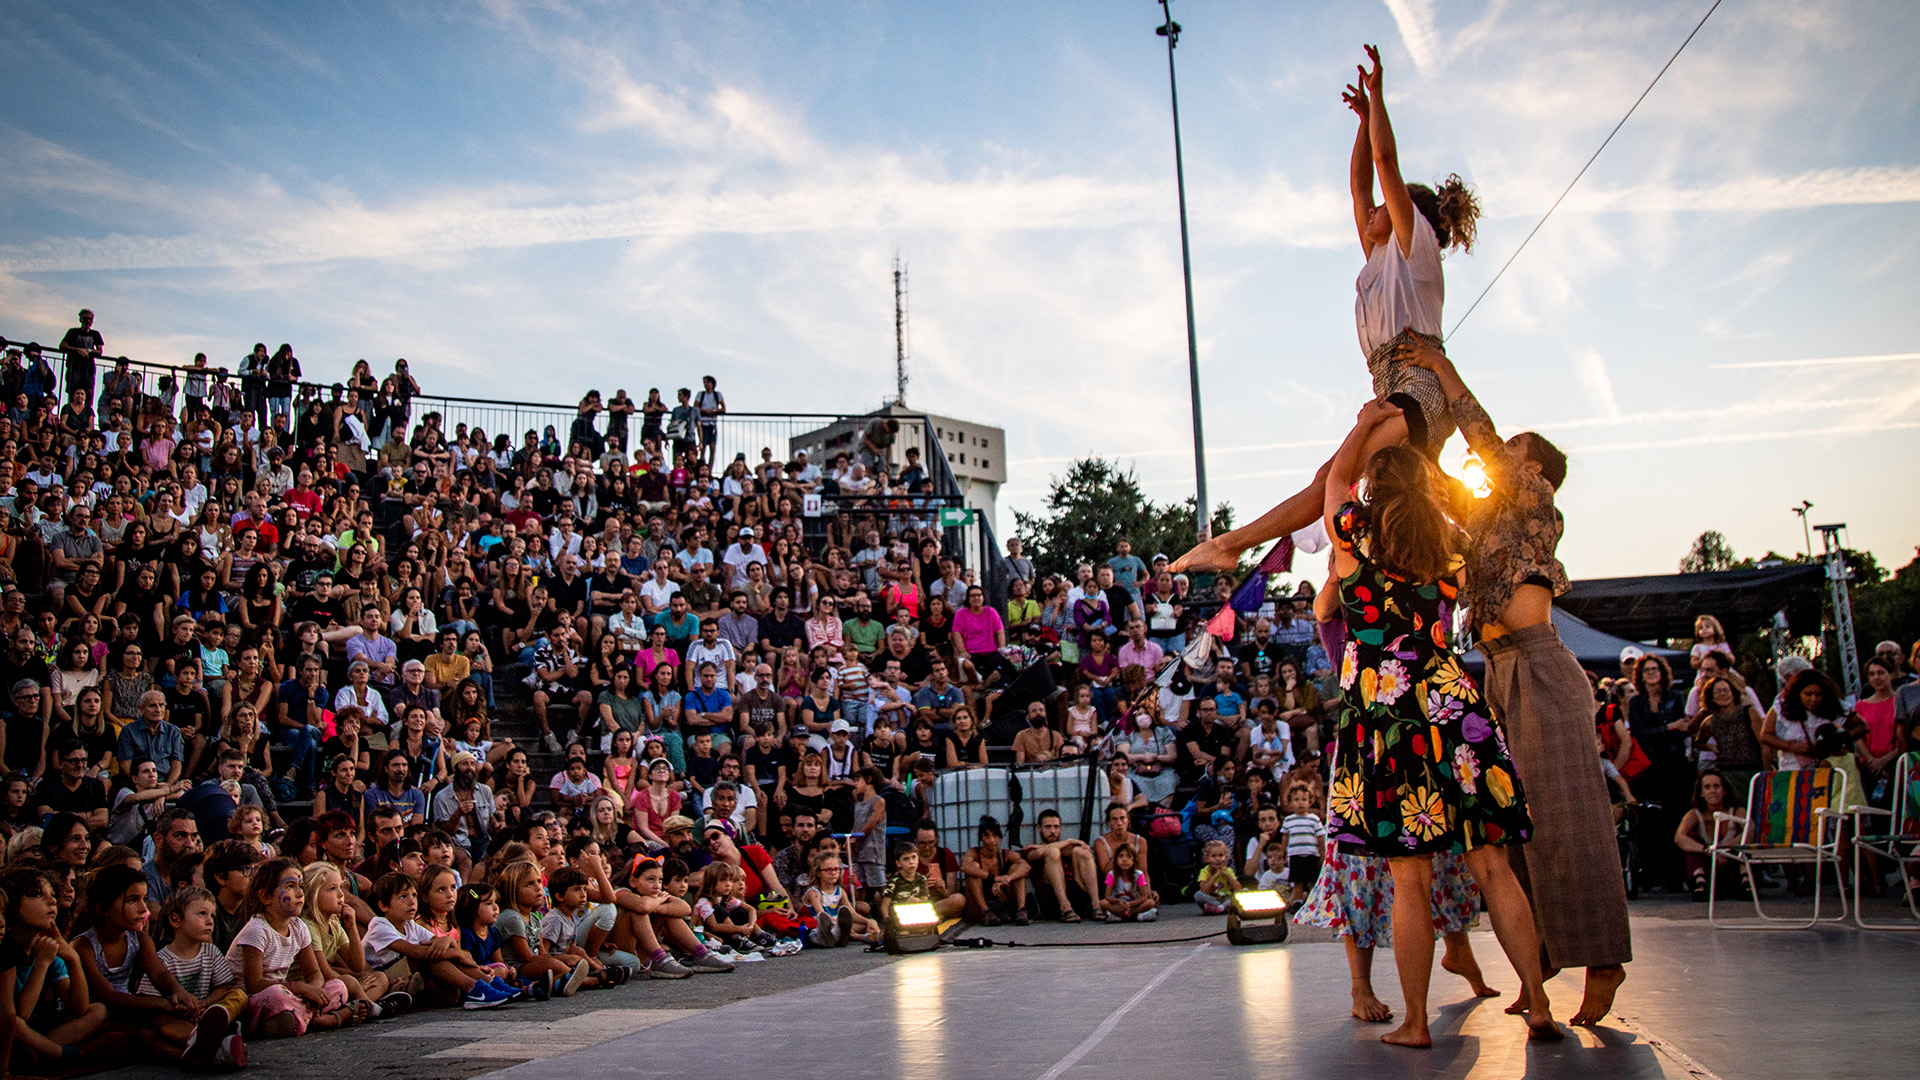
957 517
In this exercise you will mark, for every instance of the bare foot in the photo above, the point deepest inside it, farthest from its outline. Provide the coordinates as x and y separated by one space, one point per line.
1597 1002
1209 554
1469 969
1544 1032
1522 1005
1413 1033
1368 1007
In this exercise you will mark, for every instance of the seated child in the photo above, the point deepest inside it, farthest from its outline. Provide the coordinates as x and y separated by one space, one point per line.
1129 896
169 1024
832 904
287 990
575 929
1218 882
517 887
336 942
405 949
186 924
55 1021
724 915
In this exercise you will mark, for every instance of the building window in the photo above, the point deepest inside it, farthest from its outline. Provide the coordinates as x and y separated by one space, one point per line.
961 458
984 463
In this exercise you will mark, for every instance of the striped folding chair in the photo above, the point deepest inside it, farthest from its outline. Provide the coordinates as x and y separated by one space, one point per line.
1892 834
1790 820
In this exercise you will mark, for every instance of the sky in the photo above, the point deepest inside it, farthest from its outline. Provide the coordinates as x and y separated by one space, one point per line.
527 198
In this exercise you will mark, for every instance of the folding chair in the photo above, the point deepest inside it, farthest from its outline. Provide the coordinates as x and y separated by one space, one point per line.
1892 834
1789 820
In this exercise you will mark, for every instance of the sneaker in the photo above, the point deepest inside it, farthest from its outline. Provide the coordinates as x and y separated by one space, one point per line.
710 962
394 1004
1148 915
500 983
233 1049
1020 918
668 968
552 743
571 983
845 921
826 935
204 1042
484 996
542 988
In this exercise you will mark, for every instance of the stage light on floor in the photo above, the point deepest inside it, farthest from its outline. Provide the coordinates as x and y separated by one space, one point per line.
912 928
1257 905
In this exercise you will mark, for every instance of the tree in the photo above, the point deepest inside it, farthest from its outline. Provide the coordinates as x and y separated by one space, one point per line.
1094 506
1885 607
1710 552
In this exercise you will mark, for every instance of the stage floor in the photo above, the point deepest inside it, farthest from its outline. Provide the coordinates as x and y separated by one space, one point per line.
1698 1003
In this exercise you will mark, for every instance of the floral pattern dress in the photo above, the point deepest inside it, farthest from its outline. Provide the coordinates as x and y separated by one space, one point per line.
1419 765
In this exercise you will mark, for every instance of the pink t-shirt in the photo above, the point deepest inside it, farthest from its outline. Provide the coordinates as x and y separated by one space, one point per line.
977 630
1880 724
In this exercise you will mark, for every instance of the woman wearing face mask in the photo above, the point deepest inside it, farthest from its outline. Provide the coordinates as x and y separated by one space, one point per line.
1149 750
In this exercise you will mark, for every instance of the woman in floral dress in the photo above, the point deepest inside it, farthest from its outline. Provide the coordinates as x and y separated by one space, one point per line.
1353 896
1418 767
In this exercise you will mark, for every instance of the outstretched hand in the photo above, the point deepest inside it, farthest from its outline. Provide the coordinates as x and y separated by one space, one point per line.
1356 93
1370 80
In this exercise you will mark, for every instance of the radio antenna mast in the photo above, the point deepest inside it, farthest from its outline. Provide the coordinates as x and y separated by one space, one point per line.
899 330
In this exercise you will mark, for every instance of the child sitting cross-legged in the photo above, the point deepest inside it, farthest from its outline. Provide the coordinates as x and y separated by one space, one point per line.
832 903
1218 881
287 989
677 883
522 895
572 929
190 956
169 1024
477 912
1129 895
336 942
395 936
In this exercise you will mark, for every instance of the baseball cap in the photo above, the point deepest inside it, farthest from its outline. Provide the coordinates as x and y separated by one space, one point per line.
746 530
1631 653
839 726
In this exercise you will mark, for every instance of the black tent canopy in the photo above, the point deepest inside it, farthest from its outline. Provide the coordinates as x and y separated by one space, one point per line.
1664 606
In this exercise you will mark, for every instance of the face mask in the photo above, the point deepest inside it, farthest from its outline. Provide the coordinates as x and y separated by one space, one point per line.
1145 722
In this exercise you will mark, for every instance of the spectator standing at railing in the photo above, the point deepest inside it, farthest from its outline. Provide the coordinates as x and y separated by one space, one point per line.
712 405
83 346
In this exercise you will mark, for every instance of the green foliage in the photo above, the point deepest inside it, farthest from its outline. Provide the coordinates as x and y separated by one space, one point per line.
1710 552
1886 607
1093 506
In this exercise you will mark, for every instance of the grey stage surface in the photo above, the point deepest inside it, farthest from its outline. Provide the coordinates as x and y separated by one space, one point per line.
1698 1003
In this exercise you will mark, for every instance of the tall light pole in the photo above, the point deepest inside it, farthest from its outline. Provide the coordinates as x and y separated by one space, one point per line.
1171 31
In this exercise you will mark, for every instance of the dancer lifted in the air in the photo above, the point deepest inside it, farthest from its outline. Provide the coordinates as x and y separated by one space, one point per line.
1400 293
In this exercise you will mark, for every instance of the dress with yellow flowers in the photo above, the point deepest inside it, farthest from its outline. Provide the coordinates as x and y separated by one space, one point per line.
1419 764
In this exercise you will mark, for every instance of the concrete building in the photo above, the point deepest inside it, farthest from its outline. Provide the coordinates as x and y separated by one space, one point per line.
975 452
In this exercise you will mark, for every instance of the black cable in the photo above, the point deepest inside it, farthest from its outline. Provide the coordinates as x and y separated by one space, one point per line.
1583 170
987 943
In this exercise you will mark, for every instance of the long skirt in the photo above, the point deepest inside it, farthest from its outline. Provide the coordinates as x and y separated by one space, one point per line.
1354 897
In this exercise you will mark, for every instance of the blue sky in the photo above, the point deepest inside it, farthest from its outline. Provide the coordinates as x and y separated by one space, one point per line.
635 194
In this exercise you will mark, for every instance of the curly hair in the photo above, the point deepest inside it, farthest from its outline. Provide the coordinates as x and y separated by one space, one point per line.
1452 210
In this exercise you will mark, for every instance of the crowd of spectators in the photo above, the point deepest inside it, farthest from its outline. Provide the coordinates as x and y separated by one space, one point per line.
330 707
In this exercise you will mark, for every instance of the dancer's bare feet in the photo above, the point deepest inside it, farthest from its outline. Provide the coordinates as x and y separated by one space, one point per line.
1210 554
1462 963
1602 983
1521 1005
1368 1007
1540 1025
1413 1033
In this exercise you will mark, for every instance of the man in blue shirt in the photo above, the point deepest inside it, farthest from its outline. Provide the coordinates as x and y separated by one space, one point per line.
1128 571
152 738
393 790
681 624
939 698
709 707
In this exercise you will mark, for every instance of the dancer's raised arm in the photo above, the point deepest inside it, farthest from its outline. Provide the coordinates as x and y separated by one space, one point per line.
1360 170
1495 455
1386 157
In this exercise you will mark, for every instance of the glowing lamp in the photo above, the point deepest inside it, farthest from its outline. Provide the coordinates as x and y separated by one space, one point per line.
1257 904
912 928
